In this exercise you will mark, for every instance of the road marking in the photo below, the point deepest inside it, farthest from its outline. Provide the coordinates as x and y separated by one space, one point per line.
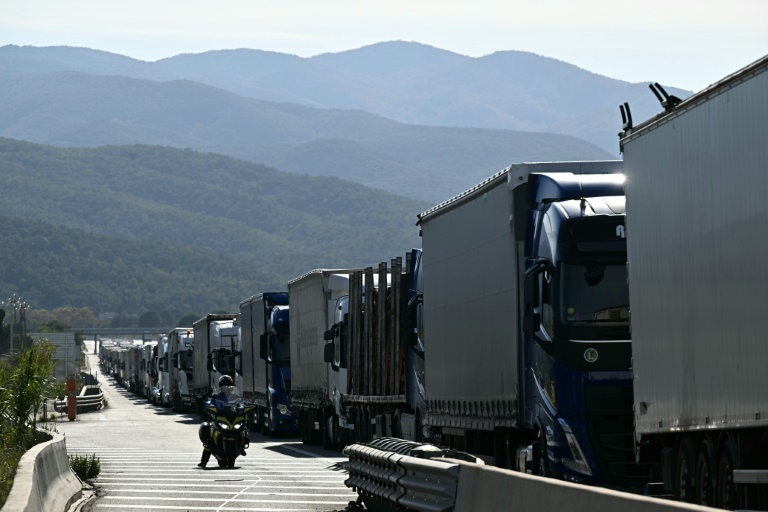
142 487
170 507
212 479
234 500
245 493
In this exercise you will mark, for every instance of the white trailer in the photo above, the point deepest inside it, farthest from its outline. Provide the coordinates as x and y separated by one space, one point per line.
181 342
697 178
215 349
313 302
161 391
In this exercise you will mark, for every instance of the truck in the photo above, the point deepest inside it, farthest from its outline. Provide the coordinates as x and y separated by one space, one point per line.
215 351
697 253
313 301
162 391
147 368
266 362
526 323
374 352
180 343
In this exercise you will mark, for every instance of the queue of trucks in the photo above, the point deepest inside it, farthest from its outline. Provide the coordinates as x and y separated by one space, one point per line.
597 322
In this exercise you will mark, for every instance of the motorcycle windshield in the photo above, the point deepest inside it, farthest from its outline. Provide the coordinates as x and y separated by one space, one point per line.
232 394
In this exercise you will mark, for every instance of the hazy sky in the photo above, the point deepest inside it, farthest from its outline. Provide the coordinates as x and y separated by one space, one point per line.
685 43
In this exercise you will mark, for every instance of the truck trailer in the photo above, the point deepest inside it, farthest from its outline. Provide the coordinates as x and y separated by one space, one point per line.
697 251
526 324
214 352
180 349
313 299
373 351
265 361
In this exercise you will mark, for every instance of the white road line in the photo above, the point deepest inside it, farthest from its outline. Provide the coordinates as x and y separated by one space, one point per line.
168 507
197 500
141 487
212 479
248 493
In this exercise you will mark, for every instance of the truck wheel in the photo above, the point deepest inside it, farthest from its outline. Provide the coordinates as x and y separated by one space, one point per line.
725 489
540 455
684 469
326 429
705 474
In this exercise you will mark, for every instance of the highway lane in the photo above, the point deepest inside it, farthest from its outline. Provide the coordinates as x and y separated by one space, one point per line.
149 459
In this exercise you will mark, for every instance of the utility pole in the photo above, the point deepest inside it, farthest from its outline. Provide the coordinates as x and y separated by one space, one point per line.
23 321
13 301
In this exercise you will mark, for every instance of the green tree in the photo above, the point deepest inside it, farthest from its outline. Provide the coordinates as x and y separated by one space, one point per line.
187 320
52 326
150 319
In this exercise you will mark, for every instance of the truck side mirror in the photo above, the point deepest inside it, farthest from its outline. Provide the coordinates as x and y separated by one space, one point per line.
532 300
329 335
328 353
209 364
413 319
264 346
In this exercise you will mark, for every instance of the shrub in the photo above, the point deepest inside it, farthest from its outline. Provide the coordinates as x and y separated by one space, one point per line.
85 467
25 382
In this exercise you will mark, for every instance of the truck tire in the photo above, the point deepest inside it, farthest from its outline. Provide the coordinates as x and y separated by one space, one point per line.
684 471
726 490
326 431
705 474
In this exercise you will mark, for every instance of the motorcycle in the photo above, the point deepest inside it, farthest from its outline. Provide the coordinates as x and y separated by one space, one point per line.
226 434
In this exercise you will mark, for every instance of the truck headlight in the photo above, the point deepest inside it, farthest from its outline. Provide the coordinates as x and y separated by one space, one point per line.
283 409
578 462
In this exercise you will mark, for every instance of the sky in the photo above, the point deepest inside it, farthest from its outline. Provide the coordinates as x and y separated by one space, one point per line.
685 43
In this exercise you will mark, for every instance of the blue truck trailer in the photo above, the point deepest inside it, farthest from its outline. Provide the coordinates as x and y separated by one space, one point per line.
265 361
526 323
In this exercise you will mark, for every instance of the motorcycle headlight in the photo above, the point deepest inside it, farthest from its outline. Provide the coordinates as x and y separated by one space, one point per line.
237 426
224 426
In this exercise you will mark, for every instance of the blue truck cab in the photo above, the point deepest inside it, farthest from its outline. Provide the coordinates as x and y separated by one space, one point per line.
577 345
526 323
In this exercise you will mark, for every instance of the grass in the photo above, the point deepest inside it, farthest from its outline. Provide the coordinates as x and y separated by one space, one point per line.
85 467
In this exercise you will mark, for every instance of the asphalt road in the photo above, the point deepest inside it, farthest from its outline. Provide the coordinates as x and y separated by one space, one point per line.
149 459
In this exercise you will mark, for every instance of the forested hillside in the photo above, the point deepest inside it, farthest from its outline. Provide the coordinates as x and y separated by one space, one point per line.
206 227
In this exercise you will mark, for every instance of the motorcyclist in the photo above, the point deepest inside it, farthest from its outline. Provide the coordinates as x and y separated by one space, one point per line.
221 396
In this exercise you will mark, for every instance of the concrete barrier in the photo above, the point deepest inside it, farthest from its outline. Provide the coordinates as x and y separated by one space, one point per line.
490 488
44 480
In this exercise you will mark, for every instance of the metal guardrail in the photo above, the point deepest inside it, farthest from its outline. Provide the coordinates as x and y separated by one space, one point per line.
87 400
394 474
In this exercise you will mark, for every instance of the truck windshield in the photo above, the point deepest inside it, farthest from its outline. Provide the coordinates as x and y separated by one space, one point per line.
594 293
185 360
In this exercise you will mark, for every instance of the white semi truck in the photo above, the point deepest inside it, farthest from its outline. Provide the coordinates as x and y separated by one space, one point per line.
697 179
313 299
181 342
215 351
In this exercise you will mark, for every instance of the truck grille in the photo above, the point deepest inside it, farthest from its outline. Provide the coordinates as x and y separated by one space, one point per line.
610 425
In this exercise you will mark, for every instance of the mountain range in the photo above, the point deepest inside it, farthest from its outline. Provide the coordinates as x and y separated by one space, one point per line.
195 181
410 118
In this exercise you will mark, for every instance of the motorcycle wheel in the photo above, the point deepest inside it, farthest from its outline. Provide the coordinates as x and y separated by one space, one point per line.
222 463
231 463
